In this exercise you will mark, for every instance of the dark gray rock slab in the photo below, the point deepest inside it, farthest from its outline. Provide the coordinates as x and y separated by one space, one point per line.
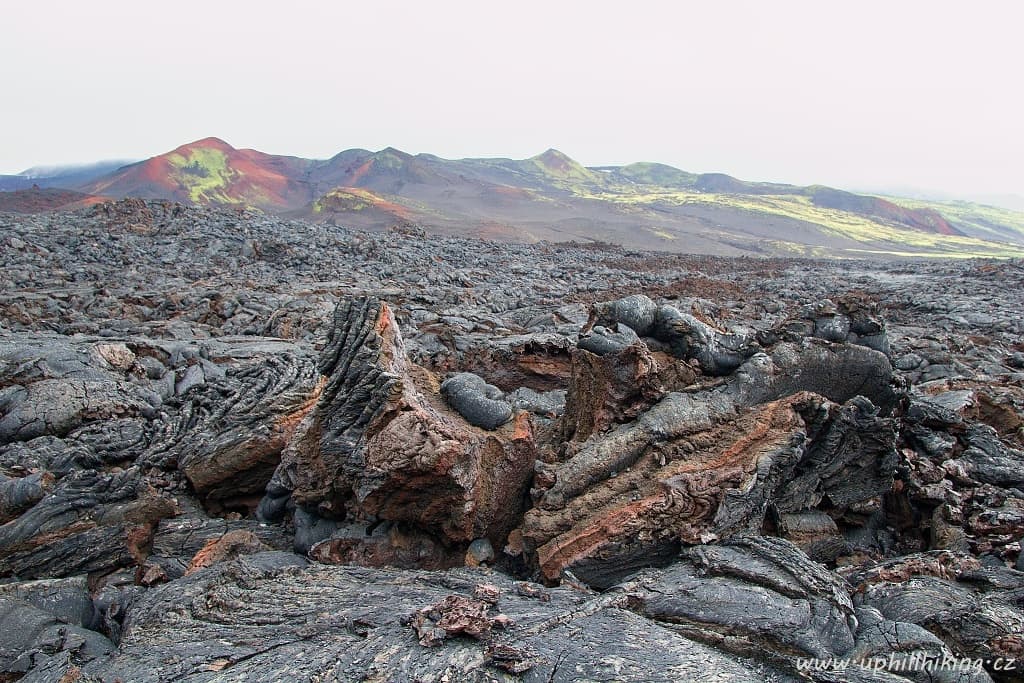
263 618
29 637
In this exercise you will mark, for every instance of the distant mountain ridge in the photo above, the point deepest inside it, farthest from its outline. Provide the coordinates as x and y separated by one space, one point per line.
553 197
63 177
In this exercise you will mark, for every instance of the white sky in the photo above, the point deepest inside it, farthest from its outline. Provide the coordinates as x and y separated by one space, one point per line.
855 94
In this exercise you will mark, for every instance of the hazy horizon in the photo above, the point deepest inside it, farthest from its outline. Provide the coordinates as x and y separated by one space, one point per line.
919 95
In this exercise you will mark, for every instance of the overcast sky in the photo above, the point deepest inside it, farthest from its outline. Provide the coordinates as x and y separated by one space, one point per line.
854 94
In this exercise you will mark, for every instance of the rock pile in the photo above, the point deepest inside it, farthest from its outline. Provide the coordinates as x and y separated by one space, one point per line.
238 448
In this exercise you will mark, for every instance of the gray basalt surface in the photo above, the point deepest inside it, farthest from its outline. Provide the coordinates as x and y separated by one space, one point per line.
482 404
235 447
